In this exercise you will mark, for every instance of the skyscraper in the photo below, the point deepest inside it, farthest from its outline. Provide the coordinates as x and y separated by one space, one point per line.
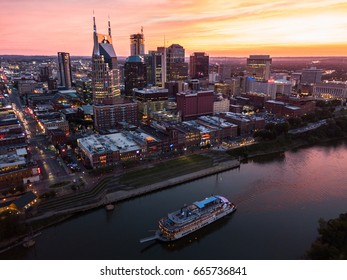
137 44
198 65
259 67
154 61
135 74
105 73
65 76
109 107
176 68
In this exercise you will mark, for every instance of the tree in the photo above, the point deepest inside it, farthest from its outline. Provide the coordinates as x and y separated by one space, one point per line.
310 118
294 122
281 128
11 224
332 240
264 135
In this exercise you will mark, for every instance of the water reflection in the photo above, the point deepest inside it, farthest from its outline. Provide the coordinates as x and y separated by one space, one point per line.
265 159
197 236
280 199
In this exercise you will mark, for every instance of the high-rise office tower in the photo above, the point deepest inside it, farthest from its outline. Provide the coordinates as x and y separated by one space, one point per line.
176 68
163 53
135 74
198 65
137 44
154 61
175 53
65 76
105 73
107 104
259 67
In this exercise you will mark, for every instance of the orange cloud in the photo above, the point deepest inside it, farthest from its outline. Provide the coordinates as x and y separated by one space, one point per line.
218 27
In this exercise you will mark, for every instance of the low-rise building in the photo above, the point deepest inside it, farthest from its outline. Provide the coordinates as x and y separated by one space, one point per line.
244 124
108 116
148 143
235 108
150 100
225 89
225 128
330 91
208 135
108 150
257 100
158 133
192 104
15 170
267 88
183 136
282 109
290 107
56 136
55 124
11 131
21 203
283 87
220 104
166 116
26 86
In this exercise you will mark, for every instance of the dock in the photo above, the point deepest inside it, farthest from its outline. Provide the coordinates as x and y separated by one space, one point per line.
146 239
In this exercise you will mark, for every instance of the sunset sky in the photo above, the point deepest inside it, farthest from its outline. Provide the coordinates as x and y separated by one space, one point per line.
218 27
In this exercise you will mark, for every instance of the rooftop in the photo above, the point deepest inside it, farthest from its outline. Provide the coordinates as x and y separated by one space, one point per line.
11 160
275 102
202 203
135 59
216 121
151 90
203 129
142 137
292 107
108 143
236 116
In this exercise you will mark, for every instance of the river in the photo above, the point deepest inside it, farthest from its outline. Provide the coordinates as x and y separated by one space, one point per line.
280 199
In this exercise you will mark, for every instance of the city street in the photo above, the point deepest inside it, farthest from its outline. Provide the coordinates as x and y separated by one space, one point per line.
52 167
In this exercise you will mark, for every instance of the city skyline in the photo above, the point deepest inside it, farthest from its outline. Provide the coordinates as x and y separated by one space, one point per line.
219 28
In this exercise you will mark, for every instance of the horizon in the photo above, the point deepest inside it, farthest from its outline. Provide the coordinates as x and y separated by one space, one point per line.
280 28
187 57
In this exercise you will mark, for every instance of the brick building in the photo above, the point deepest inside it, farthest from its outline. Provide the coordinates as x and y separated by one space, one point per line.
193 104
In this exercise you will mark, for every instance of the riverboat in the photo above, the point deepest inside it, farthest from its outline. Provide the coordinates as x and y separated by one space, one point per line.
193 217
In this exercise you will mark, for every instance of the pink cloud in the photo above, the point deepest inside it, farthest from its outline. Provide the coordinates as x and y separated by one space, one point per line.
46 26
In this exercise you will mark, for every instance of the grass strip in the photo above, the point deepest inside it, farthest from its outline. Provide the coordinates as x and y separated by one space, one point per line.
166 170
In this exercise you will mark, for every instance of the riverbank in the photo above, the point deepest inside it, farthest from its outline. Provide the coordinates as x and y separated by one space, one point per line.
116 195
123 195
9 244
276 195
284 143
266 148
128 193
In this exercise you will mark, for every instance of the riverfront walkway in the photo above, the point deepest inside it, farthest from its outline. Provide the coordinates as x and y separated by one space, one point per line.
110 190
129 193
